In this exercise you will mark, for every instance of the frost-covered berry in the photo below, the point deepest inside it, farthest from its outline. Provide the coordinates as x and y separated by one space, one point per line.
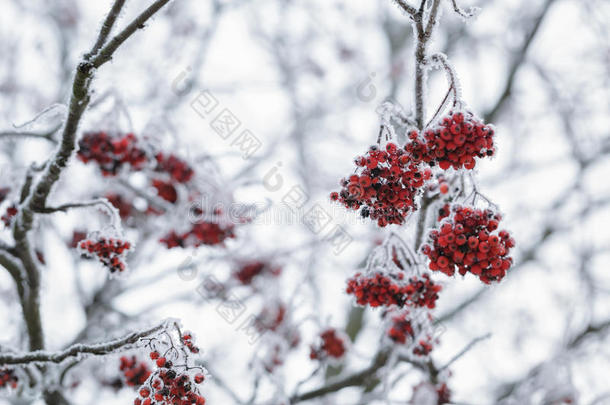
379 289
135 372
248 271
177 168
384 186
110 252
455 142
8 378
111 153
468 241
332 344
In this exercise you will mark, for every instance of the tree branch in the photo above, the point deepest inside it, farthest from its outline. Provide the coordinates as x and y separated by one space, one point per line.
106 27
517 63
76 350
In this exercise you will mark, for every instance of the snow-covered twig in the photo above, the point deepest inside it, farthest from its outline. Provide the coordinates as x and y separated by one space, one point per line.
98 349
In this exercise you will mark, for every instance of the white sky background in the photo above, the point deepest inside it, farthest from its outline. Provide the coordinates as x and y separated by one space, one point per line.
529 314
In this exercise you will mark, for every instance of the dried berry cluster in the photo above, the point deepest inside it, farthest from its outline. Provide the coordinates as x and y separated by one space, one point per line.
8 378
467 241
332 345
379 289
403 331
455 142
246 272
111 152
386 186
135 372
109 251
167 386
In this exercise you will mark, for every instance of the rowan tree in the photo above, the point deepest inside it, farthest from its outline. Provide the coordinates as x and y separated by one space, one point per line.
275 203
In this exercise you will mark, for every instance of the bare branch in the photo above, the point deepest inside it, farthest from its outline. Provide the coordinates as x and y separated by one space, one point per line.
517 63
106 27
465 350
105 54
406 7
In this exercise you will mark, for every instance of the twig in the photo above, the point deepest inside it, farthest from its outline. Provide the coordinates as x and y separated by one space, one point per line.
76 350
466 349
106 27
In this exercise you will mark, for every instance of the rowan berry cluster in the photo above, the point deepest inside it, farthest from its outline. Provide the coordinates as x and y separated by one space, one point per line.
403 330
332 345
468 241
444 394
167 386
135 372
177 168
378 289
423 391
111 153
386 187
187 340
8 378
246 272
109 251
455 142
165 190
119 202
271 317
201 233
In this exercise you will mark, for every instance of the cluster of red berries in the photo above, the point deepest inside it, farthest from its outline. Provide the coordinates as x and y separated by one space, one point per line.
246 272
380 289
332 345
187 340
386 187
271 317
467 242
8 378
443 393
135 372
165 190
119 202
403 331
111 152
177 168
169 387
455 142
109 251
201 233
8 216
